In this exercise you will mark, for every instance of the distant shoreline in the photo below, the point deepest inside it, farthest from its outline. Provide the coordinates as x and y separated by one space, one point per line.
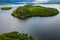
26 3
17 5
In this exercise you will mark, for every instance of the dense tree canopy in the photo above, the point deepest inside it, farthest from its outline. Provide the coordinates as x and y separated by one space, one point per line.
15 36
29 10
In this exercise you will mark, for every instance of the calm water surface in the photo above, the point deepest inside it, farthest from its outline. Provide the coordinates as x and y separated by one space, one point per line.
43 28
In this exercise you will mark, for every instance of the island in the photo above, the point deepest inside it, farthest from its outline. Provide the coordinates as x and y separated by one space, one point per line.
6 8
28 10
15 36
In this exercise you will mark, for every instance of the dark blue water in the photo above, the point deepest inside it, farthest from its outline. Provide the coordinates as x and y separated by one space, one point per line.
29 1
15 1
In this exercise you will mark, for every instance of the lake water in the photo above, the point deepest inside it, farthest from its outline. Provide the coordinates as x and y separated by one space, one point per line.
42 28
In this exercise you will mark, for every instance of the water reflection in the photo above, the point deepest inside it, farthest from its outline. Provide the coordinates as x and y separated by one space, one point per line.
44 28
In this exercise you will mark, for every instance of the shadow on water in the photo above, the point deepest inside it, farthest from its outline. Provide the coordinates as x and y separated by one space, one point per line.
45 34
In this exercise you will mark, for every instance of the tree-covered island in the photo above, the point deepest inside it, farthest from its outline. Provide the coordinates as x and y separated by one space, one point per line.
6 8
16 36
30 10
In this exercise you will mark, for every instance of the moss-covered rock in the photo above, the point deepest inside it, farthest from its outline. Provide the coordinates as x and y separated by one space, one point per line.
29 11
15 36
6 8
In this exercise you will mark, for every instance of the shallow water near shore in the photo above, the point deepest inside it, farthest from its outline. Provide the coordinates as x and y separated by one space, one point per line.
43 28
